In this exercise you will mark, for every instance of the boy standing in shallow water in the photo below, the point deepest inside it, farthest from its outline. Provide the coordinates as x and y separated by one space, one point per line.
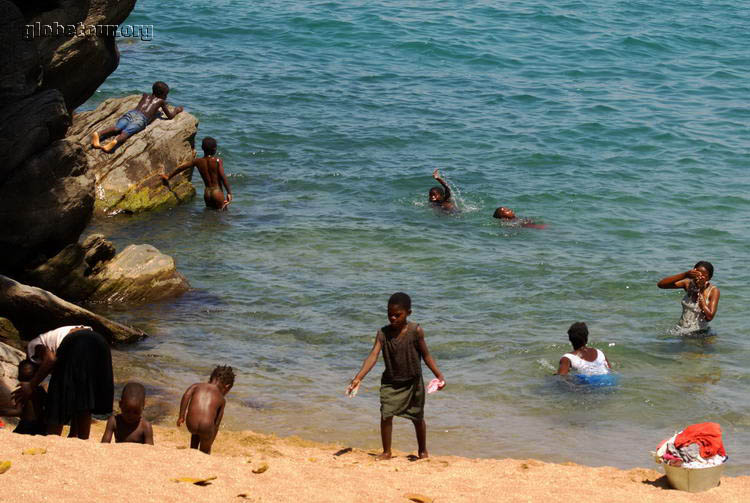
211 169
137 119
402 390
204 405
129 425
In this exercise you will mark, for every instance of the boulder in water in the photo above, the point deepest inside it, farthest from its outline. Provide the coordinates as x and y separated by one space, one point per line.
128 180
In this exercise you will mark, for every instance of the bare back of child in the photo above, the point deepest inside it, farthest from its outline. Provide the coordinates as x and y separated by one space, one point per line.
137 119
211 169
202 408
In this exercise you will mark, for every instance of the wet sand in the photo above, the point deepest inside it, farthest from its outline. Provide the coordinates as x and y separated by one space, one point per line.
300 470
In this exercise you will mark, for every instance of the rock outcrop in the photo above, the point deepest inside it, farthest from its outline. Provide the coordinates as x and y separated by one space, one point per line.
128 179
91 272
44 205
9 358
76 46
33 311
46 196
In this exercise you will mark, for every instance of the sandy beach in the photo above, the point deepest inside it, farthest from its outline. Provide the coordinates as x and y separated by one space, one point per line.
300 470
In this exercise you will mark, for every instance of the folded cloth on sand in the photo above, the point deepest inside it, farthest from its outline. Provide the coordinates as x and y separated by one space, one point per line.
403 399
706 435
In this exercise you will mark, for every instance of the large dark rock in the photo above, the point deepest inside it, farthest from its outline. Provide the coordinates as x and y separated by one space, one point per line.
91 272
33 311
29 126
128 179
20 70
76 64
44 205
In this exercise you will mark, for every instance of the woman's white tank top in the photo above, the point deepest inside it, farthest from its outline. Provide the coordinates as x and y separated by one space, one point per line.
581 366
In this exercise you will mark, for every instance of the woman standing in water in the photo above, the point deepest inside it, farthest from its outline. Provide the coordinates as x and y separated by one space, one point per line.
701 298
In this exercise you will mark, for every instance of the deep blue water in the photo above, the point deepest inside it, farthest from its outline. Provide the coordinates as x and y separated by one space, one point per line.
623 126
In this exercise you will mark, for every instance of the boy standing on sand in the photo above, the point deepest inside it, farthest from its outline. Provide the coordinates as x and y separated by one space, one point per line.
129 425
137 119
211 169
204 404
402 390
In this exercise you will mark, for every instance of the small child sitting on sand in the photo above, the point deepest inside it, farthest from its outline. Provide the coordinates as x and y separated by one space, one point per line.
129 425
211 169
402 391
583 360
32 412
204 405
441 197
137 119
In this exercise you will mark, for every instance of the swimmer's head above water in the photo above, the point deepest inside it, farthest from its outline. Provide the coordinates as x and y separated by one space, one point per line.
578 334
504 213
436 195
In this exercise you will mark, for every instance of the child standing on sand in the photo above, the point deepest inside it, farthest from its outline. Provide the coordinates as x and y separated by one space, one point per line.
211 169
402 390
204 405
129 425
137 119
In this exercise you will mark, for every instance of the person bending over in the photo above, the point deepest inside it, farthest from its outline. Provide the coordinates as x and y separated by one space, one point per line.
202 408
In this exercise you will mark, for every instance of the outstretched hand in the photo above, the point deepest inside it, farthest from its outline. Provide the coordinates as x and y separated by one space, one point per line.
436 174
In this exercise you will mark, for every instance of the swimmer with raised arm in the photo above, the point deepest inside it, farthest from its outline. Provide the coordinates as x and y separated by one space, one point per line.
211 169
441 197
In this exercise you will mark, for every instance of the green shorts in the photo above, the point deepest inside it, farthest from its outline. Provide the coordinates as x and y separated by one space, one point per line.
402 399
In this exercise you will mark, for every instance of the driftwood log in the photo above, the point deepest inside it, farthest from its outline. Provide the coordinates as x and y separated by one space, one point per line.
33 311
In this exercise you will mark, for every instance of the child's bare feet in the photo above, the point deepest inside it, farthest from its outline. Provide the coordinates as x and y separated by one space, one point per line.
383 457
424 455
95 140
107 147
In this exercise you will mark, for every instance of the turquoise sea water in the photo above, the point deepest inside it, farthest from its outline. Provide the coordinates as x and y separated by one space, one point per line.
623 126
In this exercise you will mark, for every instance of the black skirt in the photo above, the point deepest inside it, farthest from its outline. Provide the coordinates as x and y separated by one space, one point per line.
81 379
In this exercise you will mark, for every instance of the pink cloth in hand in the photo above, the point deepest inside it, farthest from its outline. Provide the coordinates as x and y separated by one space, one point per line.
434 385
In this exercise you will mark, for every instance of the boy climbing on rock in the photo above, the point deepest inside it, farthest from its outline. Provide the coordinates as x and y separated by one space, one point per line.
137 119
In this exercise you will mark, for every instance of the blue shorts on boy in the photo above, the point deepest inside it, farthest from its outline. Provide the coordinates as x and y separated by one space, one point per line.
132 122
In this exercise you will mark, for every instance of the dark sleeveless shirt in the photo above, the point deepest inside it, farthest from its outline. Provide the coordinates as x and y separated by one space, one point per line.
400 354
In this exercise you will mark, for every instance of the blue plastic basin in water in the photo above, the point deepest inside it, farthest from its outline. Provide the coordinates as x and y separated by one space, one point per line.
599 380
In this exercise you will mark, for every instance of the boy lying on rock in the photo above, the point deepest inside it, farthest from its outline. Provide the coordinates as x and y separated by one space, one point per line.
137 119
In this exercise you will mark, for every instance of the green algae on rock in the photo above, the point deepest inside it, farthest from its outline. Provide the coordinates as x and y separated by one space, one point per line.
128 180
